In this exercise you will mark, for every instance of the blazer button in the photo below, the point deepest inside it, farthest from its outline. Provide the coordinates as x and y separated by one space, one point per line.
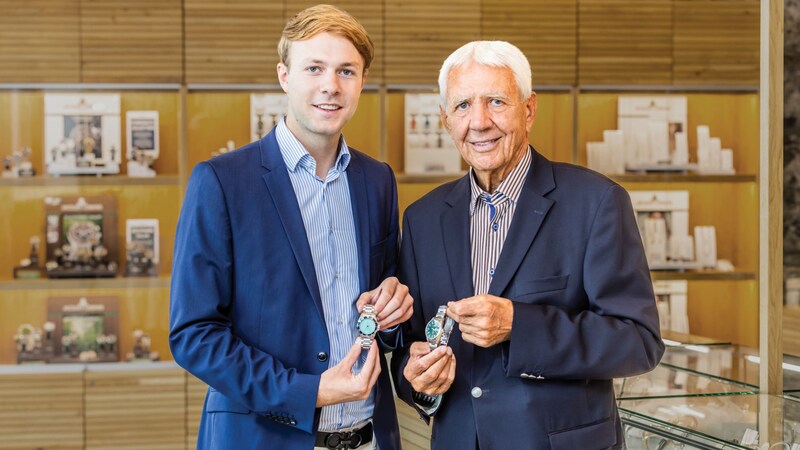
477 392
322 356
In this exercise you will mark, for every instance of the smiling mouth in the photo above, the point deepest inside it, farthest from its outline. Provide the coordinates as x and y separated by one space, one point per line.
328 107
486 143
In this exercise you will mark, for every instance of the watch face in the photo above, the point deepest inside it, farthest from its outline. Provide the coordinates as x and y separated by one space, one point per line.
432 330
367 326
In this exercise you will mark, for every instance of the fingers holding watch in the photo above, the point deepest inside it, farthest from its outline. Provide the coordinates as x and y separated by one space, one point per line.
393 304
432 373
341 383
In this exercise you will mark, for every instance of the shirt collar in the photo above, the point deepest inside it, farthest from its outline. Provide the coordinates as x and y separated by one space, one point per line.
511 187
294 153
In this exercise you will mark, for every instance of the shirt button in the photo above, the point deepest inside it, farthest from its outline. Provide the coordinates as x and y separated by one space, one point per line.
491 271
477 392
322 356
495 226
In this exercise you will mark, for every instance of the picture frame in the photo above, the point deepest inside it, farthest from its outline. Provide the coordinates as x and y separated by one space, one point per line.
86 329
650 124
82 134
81 237
142 247
141 135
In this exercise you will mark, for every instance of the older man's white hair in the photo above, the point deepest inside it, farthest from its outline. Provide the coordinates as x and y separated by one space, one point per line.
489 53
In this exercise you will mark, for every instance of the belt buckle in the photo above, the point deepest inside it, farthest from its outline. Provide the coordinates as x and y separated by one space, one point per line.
343 440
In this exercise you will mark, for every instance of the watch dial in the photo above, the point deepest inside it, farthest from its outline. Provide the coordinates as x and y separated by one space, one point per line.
367 326
432 330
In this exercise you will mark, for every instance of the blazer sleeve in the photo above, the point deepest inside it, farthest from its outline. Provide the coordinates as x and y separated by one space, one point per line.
413 330
393 338
617 335
201 333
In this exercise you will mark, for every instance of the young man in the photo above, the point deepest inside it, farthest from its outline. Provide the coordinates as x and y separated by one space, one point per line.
275 243
542 268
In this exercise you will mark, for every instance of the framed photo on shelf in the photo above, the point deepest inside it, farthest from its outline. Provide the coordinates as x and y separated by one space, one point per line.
141 134
265 112
86 328
82 134
81 237
142 248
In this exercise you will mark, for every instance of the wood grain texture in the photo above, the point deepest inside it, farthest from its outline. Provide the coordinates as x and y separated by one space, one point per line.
124 42
545 31
420 34
624 42
41 411
233 41
39 41
716 42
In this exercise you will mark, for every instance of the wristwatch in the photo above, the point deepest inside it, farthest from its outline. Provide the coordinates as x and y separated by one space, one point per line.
367 326
438 329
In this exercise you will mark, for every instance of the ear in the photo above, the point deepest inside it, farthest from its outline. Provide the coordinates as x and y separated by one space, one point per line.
443 115
364 78
283 75
530 111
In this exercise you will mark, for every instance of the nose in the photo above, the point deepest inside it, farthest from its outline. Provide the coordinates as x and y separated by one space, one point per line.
480 117
330 83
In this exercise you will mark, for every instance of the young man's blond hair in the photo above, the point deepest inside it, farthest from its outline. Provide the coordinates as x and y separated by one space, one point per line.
321 19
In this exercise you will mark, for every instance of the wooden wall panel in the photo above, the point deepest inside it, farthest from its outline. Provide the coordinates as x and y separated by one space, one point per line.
545 30
716 42
42 411
791 330
420 34
139 410
233 41
370 14
624 42
195 397
124 42
39 41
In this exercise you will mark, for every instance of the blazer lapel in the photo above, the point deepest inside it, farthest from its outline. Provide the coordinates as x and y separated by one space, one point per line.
358 196
528 218
455 234
280 189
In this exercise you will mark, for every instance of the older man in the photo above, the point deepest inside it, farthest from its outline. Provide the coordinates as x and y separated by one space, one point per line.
542 268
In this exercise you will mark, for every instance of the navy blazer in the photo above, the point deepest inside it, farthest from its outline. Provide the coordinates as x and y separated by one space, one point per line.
245 312
584 312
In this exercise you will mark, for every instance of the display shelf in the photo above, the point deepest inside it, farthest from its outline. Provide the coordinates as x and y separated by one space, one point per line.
665 381
702 275
107 180
160 282
417 179
682 178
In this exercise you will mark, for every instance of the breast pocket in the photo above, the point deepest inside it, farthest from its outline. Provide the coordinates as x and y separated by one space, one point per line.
529 291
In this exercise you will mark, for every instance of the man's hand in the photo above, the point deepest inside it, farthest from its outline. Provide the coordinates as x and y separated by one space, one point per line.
484 320
339 384
392 303
430 372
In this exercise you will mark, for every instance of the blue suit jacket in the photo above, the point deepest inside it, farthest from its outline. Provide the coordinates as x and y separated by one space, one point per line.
245 312
584 312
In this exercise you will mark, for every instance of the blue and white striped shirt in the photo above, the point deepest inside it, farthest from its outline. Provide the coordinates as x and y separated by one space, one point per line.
328 218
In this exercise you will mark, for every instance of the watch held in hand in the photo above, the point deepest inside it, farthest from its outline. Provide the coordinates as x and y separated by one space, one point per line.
367 326
438 329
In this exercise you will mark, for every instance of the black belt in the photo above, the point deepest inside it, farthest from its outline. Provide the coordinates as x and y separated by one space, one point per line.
344 439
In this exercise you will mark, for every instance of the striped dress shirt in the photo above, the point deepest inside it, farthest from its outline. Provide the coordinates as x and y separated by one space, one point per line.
328 218
490 218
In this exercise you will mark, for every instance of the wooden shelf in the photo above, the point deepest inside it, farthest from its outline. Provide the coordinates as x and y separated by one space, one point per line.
682 177
420 179
108 180
87 283
701 275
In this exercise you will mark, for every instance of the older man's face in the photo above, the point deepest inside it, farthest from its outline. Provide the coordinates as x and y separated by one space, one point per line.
487 120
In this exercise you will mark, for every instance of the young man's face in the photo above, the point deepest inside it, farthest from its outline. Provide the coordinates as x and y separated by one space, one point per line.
323 83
